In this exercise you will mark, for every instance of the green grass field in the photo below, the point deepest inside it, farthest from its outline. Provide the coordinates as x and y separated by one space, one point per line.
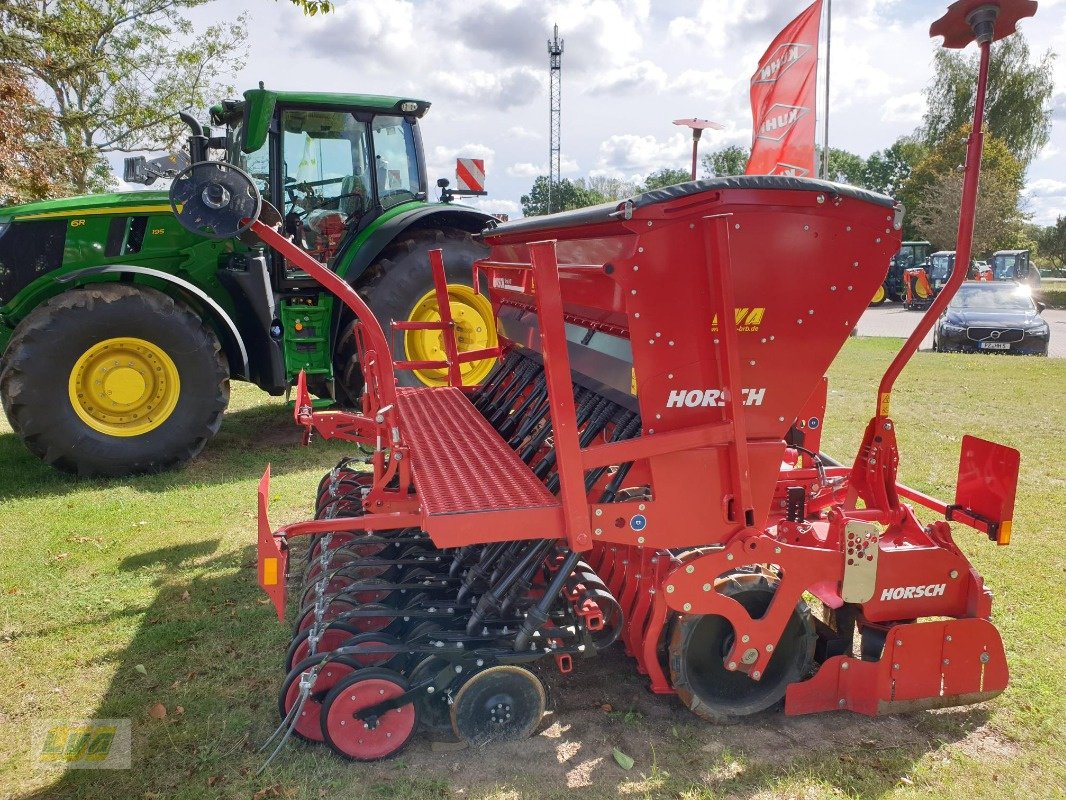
116 596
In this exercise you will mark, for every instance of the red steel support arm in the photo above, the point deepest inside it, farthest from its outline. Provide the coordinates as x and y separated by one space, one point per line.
561 395
347 295
963 245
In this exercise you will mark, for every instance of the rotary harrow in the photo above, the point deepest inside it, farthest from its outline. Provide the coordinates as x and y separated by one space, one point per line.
643 467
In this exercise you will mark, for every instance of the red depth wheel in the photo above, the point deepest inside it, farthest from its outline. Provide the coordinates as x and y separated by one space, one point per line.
308 725
374 738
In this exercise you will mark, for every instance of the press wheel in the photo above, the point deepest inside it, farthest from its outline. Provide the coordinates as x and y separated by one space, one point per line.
501 703
371 739
699 644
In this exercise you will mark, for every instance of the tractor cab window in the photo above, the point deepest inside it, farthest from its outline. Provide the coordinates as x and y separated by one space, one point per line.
325 177
1003 266
942 266
395 161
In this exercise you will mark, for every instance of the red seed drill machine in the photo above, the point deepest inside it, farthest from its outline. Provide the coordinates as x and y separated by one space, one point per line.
642 467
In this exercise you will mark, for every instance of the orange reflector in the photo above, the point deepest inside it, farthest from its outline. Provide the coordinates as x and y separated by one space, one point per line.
270 572
1003 534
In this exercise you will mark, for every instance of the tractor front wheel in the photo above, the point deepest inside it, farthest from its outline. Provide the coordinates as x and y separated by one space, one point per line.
879 297
401 289
113 379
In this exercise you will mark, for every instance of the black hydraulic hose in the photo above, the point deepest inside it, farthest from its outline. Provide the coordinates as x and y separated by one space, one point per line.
533 399
611 490
480 571
538 615
493 598
523 382
532 420
626 429
503 370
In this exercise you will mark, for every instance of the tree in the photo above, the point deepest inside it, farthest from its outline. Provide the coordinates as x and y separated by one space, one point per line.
1052 243
113 74
1018 109
667 176
732 160
887 170
312 7
565 195
936 185
844 166
34 163
607 188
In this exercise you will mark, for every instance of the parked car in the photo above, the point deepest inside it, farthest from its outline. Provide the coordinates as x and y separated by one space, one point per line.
995 317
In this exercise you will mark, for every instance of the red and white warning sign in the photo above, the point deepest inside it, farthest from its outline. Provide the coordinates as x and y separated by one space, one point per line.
470 174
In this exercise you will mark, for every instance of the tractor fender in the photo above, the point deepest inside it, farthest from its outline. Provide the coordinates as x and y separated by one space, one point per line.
232 341
429 216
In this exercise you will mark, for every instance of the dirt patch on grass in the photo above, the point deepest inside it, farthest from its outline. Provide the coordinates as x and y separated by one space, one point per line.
605 705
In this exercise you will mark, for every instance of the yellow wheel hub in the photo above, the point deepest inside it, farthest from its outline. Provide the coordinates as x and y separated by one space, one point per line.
124 386
474 330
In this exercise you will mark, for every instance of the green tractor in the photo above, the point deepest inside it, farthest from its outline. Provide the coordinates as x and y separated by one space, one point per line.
120 331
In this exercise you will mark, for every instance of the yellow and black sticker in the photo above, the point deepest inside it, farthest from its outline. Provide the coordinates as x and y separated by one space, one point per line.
747 320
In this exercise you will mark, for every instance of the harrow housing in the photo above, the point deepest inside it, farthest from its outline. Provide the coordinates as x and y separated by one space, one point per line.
640 468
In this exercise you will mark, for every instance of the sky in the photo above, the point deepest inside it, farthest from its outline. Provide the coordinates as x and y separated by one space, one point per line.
629 68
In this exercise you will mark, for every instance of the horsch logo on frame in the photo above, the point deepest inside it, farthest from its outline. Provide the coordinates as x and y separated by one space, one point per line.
779 120
786 54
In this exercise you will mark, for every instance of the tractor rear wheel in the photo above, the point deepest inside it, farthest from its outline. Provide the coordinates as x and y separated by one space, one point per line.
113 379
879 297
699 643
401 289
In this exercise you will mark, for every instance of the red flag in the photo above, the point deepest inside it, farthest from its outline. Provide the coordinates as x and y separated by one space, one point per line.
783 92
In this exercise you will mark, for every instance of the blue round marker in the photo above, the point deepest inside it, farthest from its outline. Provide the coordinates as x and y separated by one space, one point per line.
812 422
639 522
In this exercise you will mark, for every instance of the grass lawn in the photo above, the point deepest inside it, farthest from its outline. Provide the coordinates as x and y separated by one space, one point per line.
1052 292
116 596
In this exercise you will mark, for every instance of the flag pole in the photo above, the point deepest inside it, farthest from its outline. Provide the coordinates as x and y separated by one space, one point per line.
825 135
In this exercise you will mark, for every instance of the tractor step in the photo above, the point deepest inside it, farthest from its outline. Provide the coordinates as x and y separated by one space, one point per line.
472 486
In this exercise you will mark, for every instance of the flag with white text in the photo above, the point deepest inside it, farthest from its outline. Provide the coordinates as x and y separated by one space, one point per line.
783 96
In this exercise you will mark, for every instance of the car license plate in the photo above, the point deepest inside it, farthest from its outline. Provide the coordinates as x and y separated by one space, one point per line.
994 345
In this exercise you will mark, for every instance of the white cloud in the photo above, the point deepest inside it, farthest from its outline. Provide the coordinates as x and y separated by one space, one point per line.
642 76
526 170
905 109
629 155
501 90
518 132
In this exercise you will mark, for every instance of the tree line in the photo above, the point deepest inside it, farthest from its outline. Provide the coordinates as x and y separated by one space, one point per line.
922 169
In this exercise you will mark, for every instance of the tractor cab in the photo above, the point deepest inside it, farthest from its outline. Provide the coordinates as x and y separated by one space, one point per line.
330 164
941 265
1014 265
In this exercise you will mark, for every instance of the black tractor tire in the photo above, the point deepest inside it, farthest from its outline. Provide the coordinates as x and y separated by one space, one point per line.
392 286
38 364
